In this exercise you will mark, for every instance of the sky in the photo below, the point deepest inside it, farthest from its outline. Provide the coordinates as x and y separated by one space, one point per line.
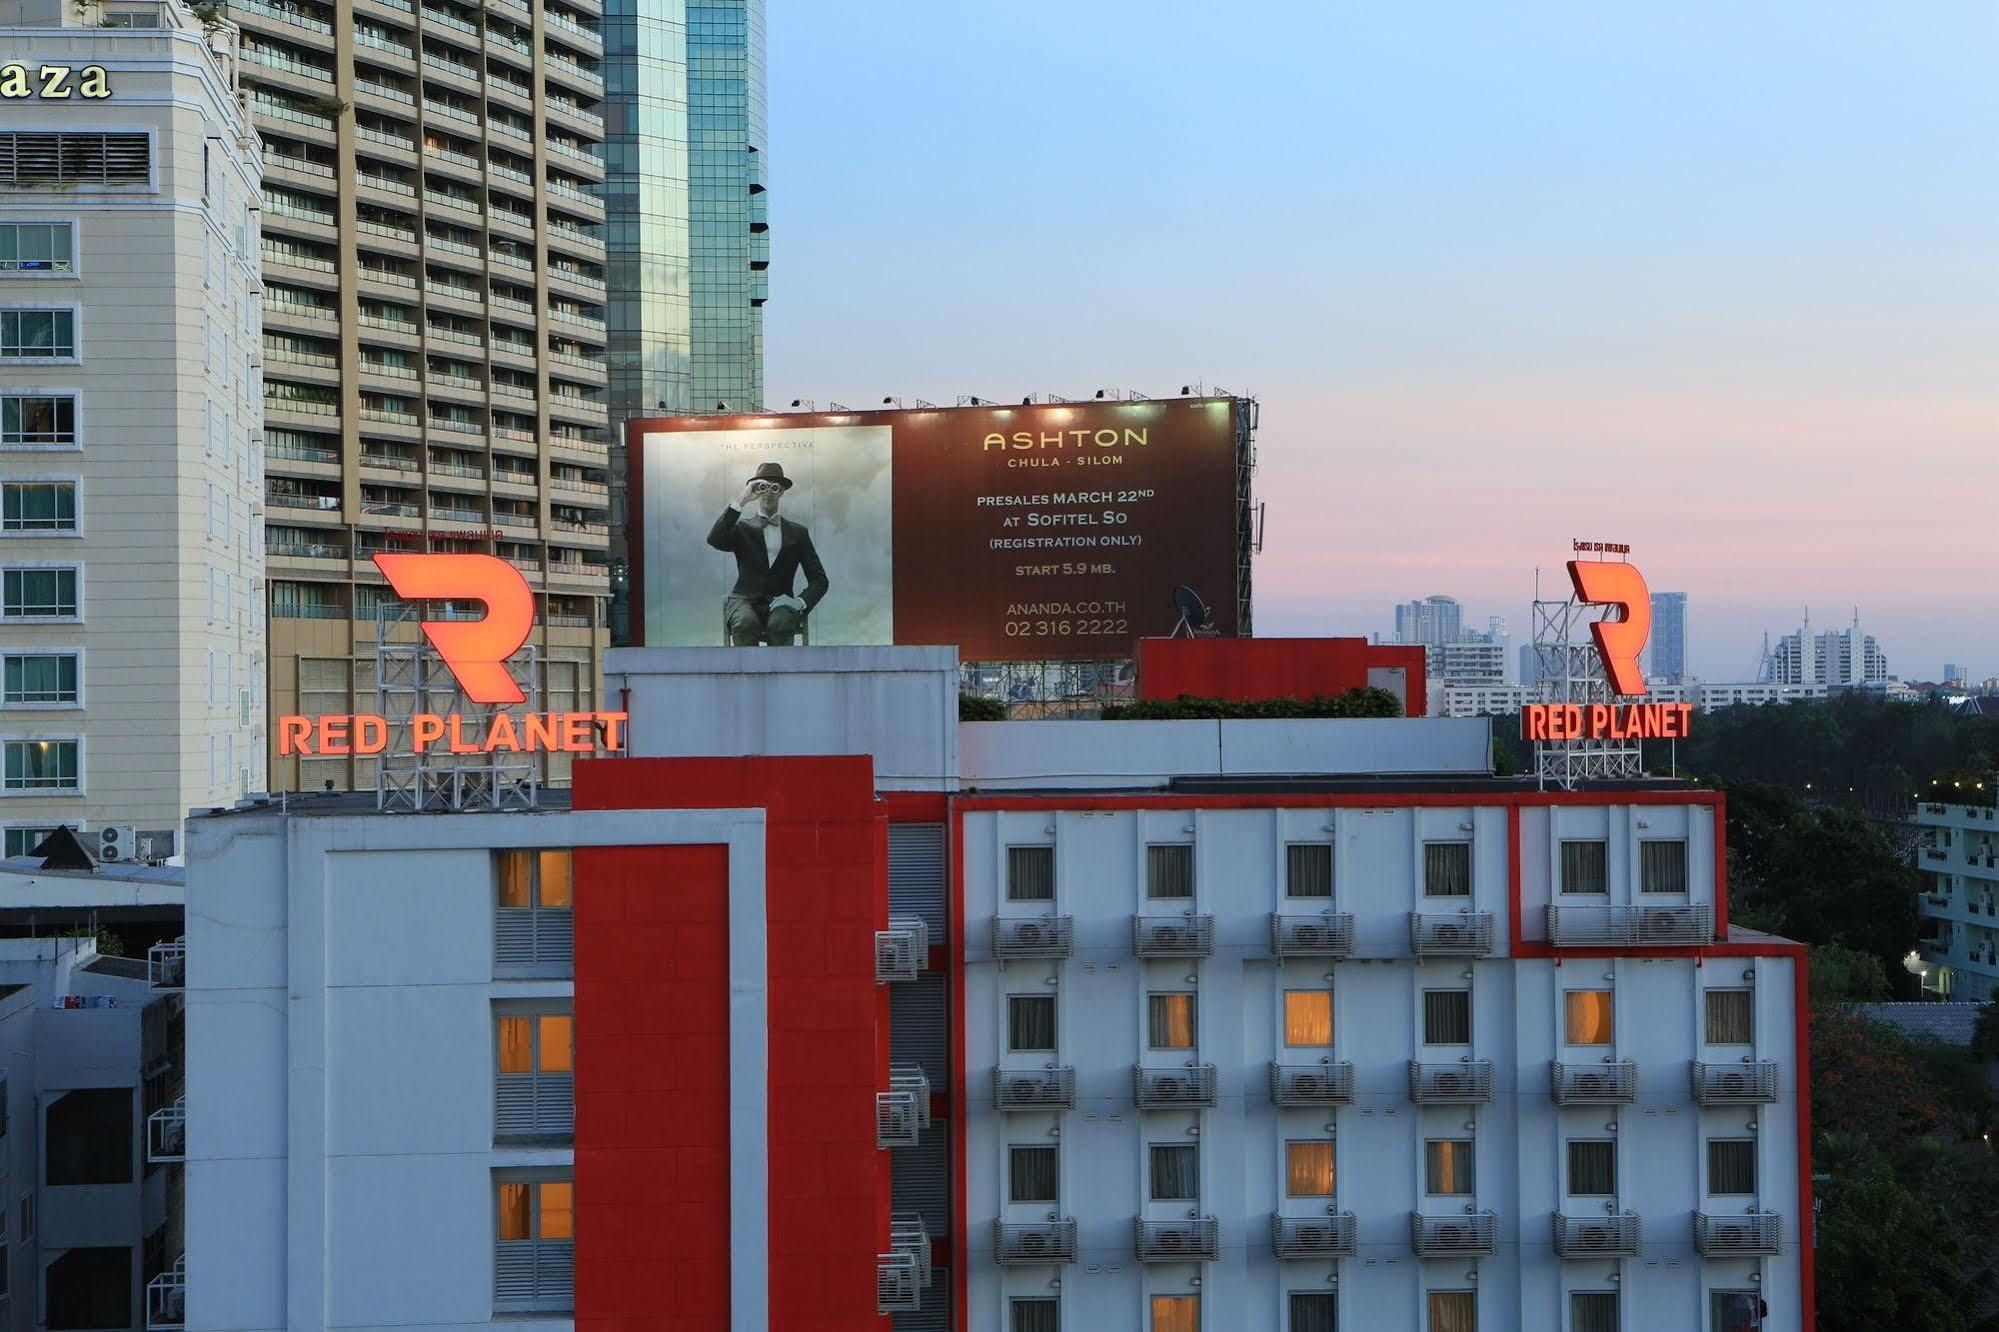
1719 281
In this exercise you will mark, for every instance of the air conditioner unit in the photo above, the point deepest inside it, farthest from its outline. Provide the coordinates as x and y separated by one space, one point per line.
1036 1241
1313 936
1170 937
1453 1237
1733 1237
1313 1237
1171 1089
1595 1084
1452 936
1451 1084
1033 936
1172 1241
117 842
1734 1084
1308 1086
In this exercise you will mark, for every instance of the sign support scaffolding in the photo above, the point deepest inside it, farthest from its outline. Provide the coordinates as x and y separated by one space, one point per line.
411 679
1572 672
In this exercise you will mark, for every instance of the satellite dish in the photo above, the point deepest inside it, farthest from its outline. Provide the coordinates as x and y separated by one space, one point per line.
1197 619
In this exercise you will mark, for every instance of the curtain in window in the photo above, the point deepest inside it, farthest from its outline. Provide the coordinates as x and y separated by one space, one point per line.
1732 1311
1314 1311
1175 1173
1593 1311
1030 874
1031 1174
1447 869
1447 1017
1729 1020
1030 1022
1593 1168
1453 1311
1308 869
516 1045
516 880
1447 1166
1589 1017
1308 1017
1036 1316
1308 1169
1169 871
1170 1021
515 1223
555 878
1176 1313
1662 867
1583 868
1731 1166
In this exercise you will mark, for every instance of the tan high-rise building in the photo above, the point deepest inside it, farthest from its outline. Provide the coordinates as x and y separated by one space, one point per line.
434 337
131 546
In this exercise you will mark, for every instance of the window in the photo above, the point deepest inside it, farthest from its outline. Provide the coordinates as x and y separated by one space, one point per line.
23 841
37 420
1313 1311
1662 867
88 1288
1583 868
1176 1313
1030 1022
38 334
1031 1174
1733 1311
1176 1172
38 594
1731 1166
37 247
1030 874
37 506
38 678
1593 1168
1593 1311
1308 1169
1453 1311
41 765
534 926
1308 869
1039 1314
536 1086
1447 1017
1447 1166
87 1137
1169 1021
1730 1017
34 158
1169 871
1447 869
534 1259
1308 1017
1587 1017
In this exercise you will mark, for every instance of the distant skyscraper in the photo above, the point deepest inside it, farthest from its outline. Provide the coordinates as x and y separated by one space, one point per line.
1668 663
1530 666
1430 621
1953 674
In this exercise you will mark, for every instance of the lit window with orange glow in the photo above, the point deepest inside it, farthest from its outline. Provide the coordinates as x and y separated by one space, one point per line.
1170 1021
1308 1169
1588 1014
1308 1017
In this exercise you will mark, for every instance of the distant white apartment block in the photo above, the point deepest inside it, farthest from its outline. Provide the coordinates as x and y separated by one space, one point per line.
1837 658
1957 951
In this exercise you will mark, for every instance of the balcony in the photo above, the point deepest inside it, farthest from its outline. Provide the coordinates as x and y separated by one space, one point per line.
1468 1235
1756 1235
1173 936
1465 934
166 1133
1720 1085
1017 1244
1197 1239
1042 936
903 1111
535 1105
1303 1086
1189 1088
1467 1083
1023 1090
1614 1236
166 965
1329 934
1628 926
902 950
166 1298
1614 1083
1330 1236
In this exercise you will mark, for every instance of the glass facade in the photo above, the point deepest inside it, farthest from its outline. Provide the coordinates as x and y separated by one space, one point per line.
729 225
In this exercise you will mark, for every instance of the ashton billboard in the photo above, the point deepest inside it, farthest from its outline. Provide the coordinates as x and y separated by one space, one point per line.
1038 532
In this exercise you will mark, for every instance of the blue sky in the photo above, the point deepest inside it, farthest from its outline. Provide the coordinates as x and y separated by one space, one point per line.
1716 280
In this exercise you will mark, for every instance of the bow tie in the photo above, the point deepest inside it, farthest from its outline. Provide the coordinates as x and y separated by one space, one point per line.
759 521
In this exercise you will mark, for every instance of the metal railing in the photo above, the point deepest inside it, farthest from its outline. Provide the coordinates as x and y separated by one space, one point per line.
535 1105
907 1234
166 1132
1329 1236
1613 1236
1195 1239
1755 1235
1614 1083
1751 1083
1302 1086
898 1282
1464 934
902 951
1328 934
1467 1235
1172 936
166 965
1465 1083
1034 1089
1039 936
903 1111
1018 1243
166 1298
1173 1088
1623 926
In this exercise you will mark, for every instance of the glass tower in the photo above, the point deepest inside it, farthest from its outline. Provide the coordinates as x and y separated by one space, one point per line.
729 226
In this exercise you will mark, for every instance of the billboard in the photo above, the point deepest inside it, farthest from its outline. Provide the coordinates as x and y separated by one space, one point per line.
1033 533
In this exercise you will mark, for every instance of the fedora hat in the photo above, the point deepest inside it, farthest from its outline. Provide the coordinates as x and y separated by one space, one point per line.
772 472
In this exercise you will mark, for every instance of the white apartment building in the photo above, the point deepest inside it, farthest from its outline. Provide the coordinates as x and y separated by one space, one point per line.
1840 658
131 543
1491 700
1958 917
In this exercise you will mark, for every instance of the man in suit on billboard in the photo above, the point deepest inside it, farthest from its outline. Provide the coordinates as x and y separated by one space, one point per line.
769 551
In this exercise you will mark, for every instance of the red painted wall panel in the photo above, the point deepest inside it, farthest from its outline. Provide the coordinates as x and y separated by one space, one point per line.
1257 668
826 893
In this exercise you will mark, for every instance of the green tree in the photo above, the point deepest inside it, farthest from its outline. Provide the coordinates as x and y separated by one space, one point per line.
1887 1257
1846 975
